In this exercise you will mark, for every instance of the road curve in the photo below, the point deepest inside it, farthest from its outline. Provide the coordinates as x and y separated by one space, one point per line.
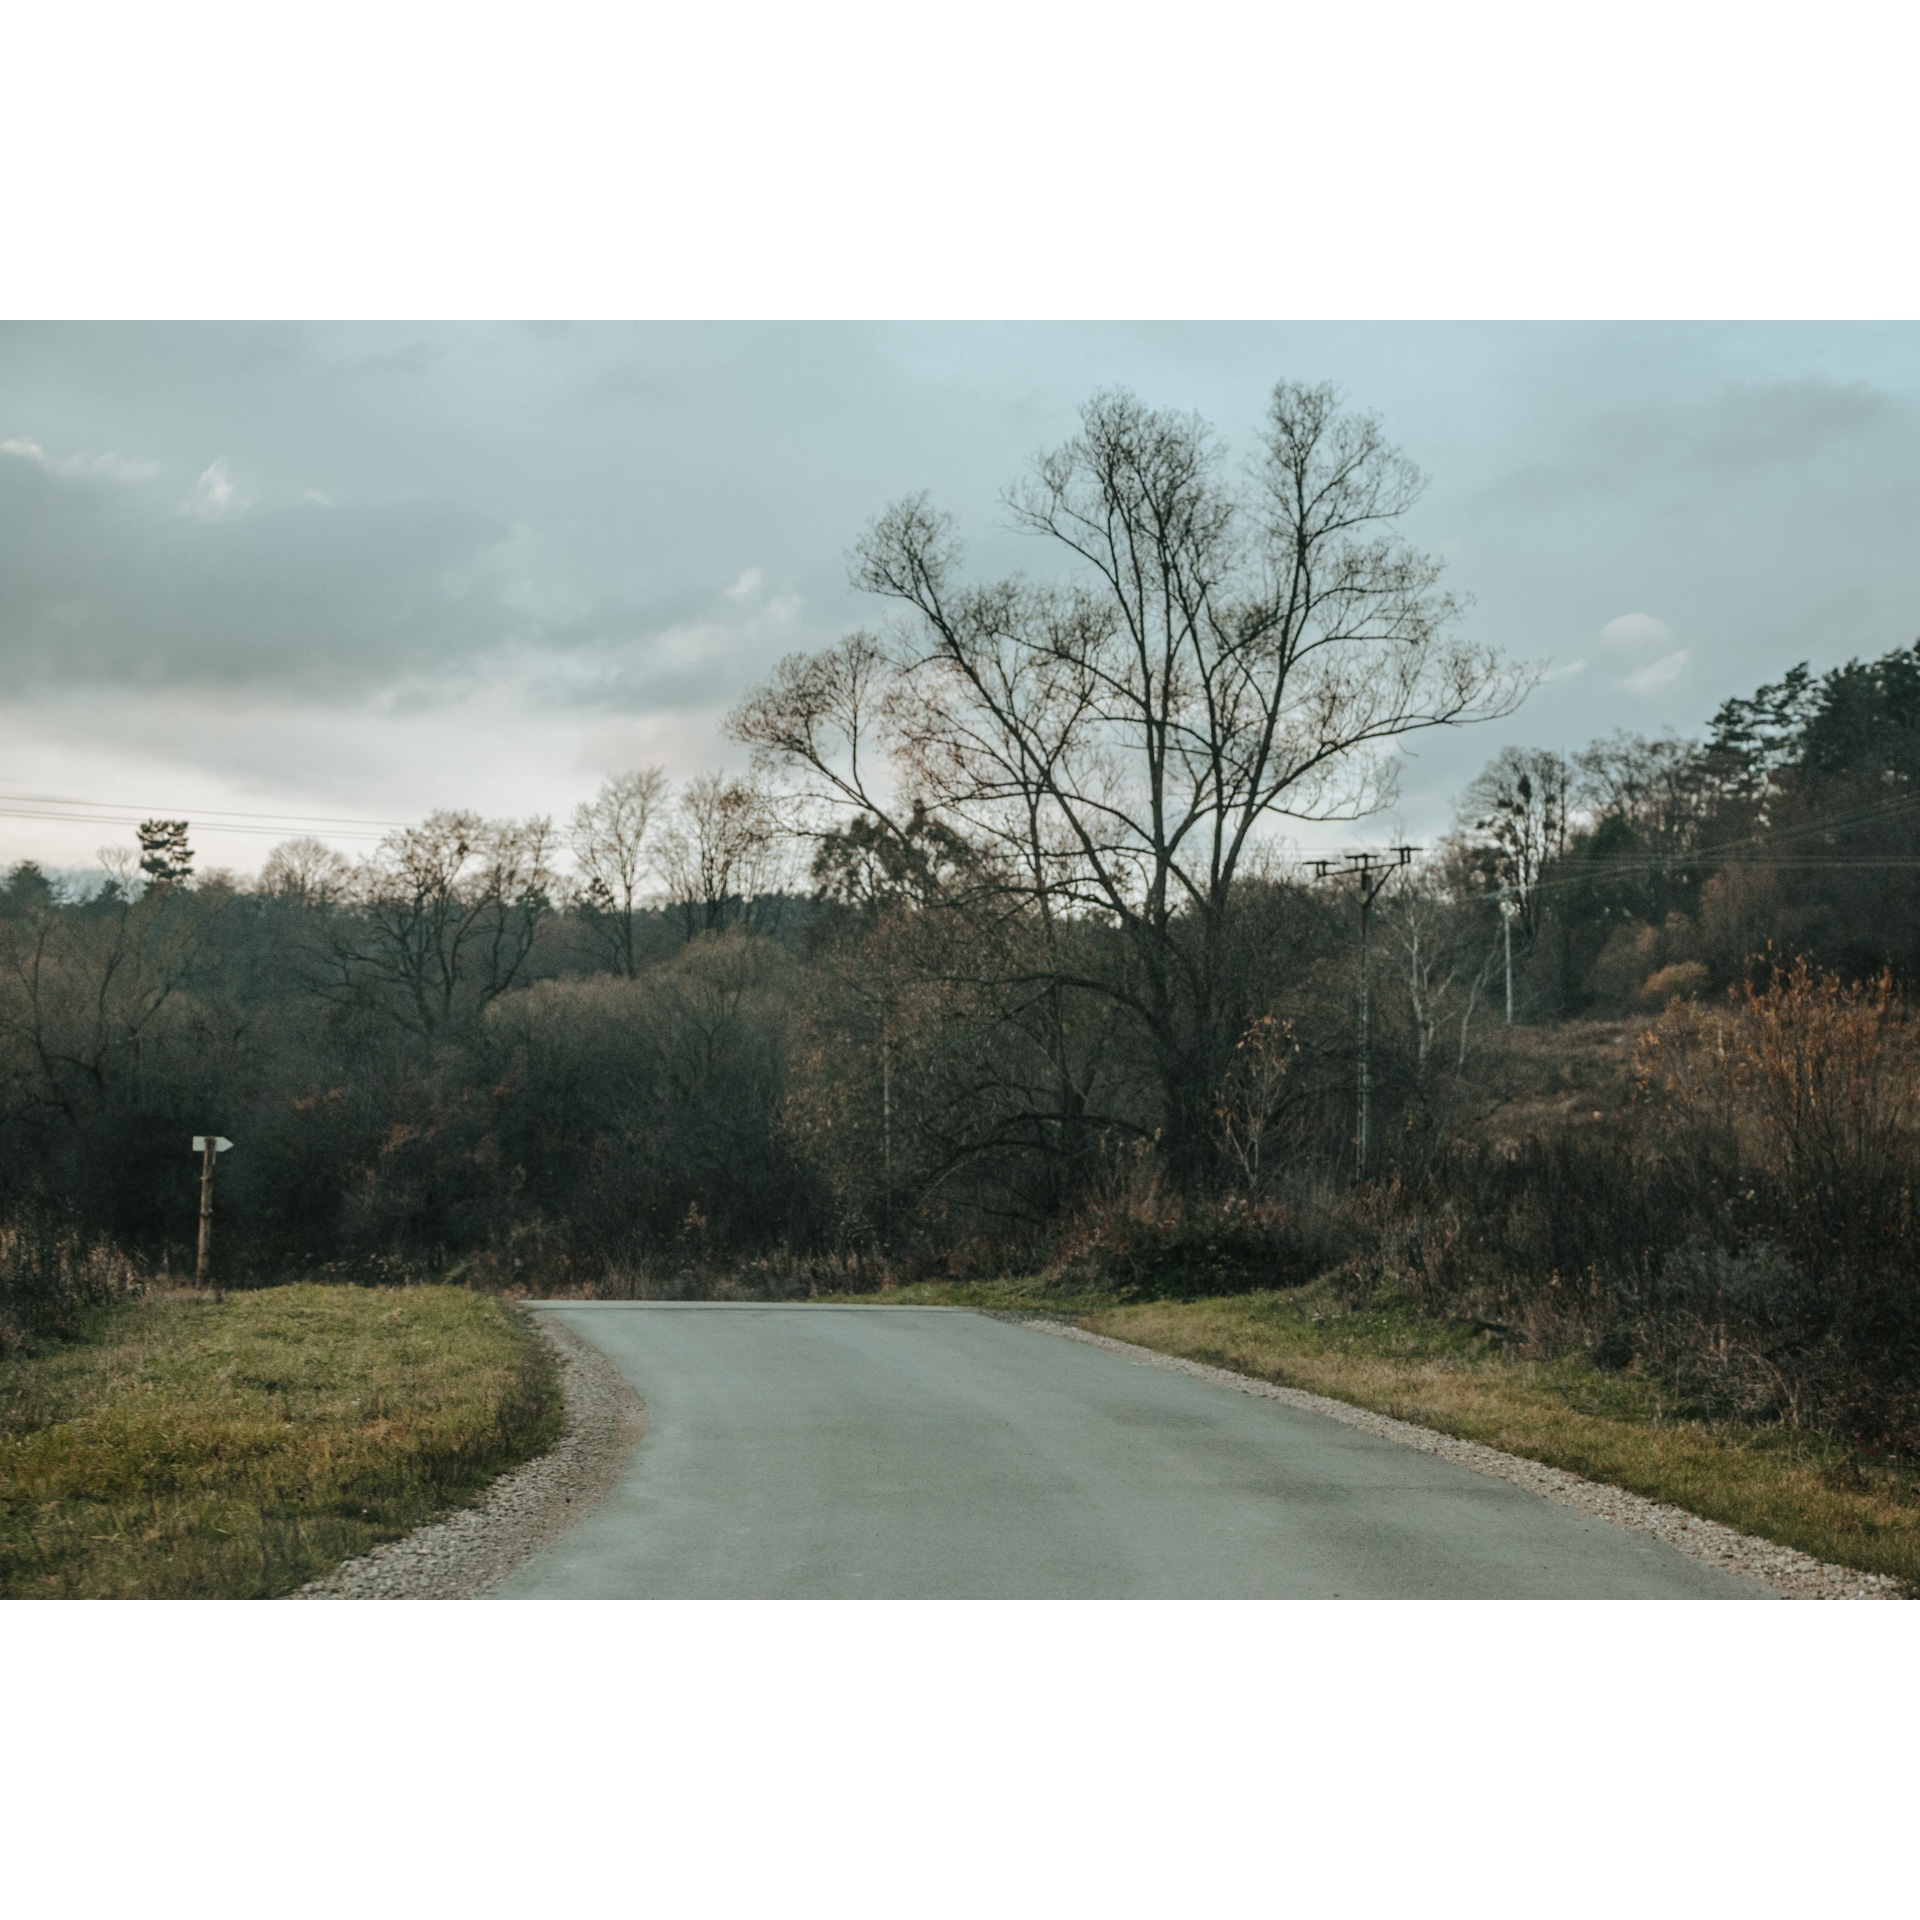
930 1453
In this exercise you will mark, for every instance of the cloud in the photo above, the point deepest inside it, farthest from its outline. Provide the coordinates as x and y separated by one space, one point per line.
408 606
1787 421
683 667
1738 431
1636 630
411 360
215 495
117 587
83 466
682 743
1642 633
528 573
1661 673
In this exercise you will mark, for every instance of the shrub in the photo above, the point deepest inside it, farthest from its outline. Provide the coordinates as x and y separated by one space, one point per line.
1745 1232
1803 1093
1136 1239
1680 982
49 1274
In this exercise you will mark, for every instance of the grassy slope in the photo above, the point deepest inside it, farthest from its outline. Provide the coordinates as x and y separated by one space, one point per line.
186 1449
1798 1488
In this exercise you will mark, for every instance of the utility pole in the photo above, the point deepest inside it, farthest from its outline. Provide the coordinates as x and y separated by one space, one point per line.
1371 872
886 1125
1506 922
206 1145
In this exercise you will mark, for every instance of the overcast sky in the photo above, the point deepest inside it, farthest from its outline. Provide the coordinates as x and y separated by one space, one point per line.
361 571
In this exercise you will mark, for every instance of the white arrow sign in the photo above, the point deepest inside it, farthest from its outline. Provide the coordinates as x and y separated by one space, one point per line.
219 1145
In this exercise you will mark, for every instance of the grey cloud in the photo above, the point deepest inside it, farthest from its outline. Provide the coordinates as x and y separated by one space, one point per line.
412 360
689 665
1626 450
1791 420
82 466
325 600
337 603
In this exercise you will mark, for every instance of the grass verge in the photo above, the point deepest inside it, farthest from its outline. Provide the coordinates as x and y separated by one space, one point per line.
183 1449
1797 1487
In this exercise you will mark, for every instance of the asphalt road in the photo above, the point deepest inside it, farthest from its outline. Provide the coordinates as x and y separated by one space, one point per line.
927 1453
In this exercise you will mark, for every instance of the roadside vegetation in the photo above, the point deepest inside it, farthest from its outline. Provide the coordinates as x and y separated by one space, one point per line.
178 1447
1799 1486
1690 1274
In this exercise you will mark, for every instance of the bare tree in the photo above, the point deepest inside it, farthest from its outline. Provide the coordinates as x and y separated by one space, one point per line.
1661 788
1519 807
721 850
1224 652
306 873
1447 961
1253 1095
609 839
81 990
444 917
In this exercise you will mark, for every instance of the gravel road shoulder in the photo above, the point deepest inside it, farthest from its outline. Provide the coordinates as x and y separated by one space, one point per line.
1792 1575
461 1557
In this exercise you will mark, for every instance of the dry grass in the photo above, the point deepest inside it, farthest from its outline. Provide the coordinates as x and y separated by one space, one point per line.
1799 1488
1538 1079
183 1448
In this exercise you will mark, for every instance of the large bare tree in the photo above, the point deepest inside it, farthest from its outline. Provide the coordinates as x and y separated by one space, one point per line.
1223 648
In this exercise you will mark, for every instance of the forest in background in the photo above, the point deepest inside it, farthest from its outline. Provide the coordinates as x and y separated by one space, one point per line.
1048 1001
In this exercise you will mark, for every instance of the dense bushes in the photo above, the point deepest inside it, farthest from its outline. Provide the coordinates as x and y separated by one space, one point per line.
1747 1231
50 1273
1743 1228
1136 1238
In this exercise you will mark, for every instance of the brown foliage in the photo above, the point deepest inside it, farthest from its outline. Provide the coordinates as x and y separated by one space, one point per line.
1810 1085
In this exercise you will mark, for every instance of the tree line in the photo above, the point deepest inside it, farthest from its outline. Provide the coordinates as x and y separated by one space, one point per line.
1639 867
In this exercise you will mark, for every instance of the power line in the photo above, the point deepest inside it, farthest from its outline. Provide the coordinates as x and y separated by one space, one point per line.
225 813
1705 865
201 823
1747 852
69 809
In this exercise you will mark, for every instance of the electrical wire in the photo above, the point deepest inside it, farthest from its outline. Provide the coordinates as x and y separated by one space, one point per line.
200 825
68 809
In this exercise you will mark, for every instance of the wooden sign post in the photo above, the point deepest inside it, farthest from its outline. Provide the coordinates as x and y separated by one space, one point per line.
206 1145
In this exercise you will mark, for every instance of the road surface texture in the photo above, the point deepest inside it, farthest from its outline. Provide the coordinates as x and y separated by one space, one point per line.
929 1453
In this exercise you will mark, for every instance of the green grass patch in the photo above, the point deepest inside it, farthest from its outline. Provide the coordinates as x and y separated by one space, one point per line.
184 1448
